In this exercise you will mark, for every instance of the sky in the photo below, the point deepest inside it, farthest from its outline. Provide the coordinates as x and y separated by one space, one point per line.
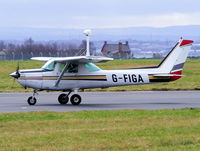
98 13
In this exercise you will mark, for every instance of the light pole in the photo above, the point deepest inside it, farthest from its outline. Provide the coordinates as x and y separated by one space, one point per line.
22 55
13 54
40 54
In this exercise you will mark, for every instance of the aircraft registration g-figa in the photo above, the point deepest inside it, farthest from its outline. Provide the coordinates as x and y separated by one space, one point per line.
69 74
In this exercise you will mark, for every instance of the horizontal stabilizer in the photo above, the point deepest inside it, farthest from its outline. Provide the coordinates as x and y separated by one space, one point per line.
167 75
164 77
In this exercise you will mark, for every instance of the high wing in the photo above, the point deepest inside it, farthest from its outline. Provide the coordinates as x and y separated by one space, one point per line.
76 59
83 59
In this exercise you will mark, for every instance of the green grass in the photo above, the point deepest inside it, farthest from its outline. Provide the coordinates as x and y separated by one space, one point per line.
101 130
190 82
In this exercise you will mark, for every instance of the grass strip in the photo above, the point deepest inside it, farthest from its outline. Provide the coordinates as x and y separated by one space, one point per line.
176 129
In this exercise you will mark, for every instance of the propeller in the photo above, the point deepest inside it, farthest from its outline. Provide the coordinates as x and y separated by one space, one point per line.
16 74
17 70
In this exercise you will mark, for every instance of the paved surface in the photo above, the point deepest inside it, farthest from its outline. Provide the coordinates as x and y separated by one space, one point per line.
16 102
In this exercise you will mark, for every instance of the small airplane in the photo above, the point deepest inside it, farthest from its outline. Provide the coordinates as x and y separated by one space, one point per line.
70 74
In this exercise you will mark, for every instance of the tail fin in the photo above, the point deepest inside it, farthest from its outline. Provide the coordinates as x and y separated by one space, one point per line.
173 63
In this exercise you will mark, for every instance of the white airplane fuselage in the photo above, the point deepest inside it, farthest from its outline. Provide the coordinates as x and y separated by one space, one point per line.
42 79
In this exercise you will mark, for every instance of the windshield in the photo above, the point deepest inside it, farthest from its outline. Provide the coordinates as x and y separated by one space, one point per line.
50 65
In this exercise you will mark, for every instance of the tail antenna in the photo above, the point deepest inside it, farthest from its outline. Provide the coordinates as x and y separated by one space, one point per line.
87 33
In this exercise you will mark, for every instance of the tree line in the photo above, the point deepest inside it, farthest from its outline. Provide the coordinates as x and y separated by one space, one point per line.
29 48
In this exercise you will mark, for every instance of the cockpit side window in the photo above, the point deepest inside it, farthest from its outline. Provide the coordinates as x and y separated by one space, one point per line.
71 68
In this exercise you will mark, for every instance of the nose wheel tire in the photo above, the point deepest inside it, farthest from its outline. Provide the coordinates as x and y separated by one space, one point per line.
75 99
31 100
63 99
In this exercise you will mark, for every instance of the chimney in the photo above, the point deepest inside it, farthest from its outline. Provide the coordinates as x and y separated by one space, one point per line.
105 42
127 43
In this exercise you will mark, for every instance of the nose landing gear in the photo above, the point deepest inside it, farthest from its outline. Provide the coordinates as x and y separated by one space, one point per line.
32 100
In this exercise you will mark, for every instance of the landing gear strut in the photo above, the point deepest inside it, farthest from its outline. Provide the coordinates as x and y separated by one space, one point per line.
32 100
64 98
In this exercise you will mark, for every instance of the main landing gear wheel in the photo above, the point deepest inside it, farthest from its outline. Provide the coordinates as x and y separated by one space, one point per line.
75 99
63 99
31 100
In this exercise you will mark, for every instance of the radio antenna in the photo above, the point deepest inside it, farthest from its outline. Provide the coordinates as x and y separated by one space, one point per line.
87 33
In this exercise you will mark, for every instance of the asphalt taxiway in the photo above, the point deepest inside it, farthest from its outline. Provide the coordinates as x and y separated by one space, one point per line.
16 102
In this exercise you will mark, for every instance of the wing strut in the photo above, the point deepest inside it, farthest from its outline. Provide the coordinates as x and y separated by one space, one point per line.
61 74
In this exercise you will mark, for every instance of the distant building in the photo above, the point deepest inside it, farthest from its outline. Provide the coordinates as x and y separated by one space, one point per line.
157 55
117 51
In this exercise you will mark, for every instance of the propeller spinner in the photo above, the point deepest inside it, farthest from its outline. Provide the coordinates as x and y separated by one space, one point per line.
16 74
